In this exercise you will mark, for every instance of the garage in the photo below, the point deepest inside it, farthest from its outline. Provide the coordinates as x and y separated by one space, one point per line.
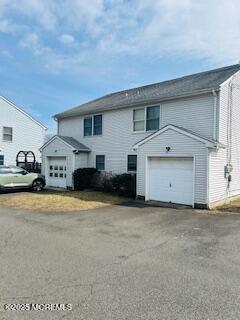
57 172
171 179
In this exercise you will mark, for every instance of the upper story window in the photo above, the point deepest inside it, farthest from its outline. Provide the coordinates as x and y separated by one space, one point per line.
7 134
1 160
93 125
146 119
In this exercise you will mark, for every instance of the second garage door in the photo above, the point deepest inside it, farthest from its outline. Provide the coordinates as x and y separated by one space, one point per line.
171 180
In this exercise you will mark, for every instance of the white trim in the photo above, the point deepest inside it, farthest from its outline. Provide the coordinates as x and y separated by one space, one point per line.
52 139
24 112
172 127
229 79
155 155
208 182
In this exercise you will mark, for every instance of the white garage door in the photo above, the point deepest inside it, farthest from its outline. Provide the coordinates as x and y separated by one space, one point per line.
57 172
171 180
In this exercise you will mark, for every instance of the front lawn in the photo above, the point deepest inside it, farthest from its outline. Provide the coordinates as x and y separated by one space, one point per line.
56 201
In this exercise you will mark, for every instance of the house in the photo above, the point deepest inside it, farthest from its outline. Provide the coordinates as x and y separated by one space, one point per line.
181 137
18 132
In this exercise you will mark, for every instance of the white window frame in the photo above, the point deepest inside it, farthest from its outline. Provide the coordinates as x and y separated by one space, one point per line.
92 116
145 118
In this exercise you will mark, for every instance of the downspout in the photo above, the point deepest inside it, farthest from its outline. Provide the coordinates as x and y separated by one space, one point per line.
214 115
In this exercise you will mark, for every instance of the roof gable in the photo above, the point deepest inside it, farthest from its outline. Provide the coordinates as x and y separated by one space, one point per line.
199 83
24 112
209 143
70 142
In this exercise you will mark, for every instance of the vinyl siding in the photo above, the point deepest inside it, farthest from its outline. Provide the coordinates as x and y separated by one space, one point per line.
27 134
196 116
117 140
218 184
180 145
57 148
81 160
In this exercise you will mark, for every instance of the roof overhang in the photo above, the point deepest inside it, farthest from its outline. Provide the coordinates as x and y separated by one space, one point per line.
62 140
208 143
139 103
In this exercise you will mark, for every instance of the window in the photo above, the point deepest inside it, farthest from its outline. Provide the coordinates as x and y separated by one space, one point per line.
97 125
1 160
139 119
88 126
93 125
146 119
100 162
132 163
152 118
7 134
18 170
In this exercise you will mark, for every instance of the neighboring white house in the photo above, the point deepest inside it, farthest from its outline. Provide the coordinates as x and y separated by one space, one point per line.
18 132
181 137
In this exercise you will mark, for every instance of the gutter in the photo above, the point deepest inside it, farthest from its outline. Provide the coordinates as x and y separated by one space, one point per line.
132 104
214 115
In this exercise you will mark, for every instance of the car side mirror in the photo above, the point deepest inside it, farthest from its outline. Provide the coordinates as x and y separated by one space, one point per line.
24 173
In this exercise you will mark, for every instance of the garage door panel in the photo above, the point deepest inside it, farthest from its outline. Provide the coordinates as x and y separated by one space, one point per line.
171 180
57 172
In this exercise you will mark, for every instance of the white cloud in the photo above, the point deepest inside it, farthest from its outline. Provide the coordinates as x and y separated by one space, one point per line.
33 42
8 26
66 39
146 29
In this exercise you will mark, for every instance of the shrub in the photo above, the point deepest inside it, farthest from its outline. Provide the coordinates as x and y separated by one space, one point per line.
102 181
125 184
83 178
90 178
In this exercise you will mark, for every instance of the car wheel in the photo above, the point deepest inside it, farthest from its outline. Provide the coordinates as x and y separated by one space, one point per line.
37 185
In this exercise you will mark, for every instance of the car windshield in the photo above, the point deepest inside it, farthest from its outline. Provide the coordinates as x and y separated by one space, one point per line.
12 169
4 170
18 170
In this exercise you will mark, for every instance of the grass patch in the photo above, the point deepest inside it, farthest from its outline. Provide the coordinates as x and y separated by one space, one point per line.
57 201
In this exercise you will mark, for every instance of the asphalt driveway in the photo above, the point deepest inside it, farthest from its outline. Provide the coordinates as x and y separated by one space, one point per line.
121 262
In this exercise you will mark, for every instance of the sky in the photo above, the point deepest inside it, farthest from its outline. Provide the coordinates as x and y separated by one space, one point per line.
57 54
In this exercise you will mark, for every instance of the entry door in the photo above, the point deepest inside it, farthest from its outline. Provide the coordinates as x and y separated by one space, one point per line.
57 172
171 180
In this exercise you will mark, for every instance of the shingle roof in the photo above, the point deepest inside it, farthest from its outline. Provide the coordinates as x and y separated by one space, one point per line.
187 85
75 144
